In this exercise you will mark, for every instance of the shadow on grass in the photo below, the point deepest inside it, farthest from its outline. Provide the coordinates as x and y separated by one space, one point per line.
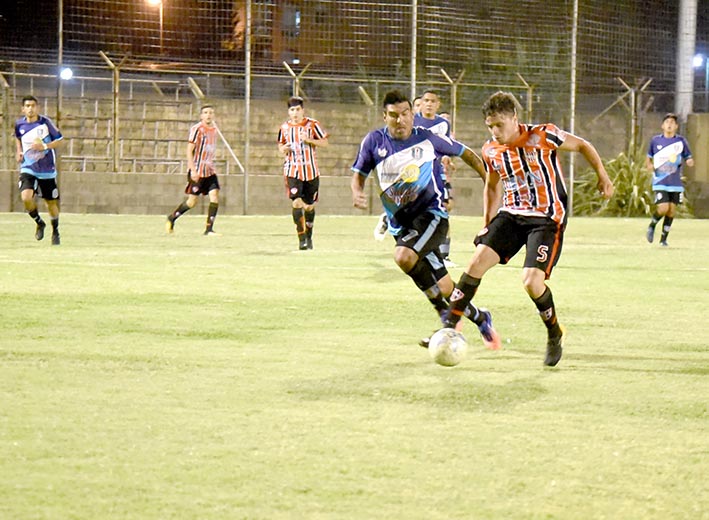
394 385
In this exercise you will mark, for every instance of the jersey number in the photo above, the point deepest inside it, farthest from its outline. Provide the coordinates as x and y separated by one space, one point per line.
542 253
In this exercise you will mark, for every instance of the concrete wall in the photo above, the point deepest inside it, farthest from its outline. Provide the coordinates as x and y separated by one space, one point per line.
161 136
698 177
155 194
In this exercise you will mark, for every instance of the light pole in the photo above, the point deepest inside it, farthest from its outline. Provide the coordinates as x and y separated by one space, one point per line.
159 4
698 61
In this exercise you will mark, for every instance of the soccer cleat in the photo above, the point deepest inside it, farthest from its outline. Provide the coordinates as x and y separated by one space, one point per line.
380 230
554 348
210 233
309 243
55 239
491 339
663 243
650 234
39 232
303 244
169 226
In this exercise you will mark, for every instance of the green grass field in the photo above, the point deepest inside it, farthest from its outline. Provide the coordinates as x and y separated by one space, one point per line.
147 376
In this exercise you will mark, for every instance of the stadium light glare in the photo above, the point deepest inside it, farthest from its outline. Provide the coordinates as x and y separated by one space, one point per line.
159 5
66 73
698 61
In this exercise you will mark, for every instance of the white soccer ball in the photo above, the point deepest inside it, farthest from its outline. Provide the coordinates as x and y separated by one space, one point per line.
447 347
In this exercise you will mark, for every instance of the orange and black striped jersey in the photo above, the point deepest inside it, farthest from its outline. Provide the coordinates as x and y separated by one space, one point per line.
301 161
204 139
530 171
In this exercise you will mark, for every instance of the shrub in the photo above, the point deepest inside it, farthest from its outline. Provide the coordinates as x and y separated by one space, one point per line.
633 195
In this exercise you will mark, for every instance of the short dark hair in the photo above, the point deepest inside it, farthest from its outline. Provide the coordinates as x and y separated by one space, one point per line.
205 106
500 103
295 101
394 97
29 98
670 115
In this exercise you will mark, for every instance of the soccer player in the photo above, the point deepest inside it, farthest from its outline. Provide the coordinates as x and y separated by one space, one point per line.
404 157
428 117
665 156
525 183
36 138
297 139
201 174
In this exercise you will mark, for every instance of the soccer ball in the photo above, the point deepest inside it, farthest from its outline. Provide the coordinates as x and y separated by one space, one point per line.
447 347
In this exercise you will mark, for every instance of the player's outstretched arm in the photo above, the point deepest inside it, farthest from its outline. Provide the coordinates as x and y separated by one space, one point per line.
473 160
589 152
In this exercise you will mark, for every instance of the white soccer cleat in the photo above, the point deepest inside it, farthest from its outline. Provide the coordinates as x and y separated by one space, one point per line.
380 230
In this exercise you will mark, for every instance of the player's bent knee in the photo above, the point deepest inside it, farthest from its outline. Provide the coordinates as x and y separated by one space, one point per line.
533 280
405 258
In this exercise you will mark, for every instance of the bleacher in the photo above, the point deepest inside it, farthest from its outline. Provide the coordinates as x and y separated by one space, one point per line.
150 159
153 136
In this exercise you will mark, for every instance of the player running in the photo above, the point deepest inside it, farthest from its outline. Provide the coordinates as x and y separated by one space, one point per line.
665 157
404 158
201 173
36 138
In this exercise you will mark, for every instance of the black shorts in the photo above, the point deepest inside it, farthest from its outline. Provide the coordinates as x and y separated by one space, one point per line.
306 190
44 188
507 233
663 197
203 186
425 236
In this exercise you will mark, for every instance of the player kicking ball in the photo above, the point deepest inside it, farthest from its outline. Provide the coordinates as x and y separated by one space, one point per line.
404 158
524 206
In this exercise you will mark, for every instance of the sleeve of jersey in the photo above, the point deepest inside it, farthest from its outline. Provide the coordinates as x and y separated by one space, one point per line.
319 130
445 145
686 152
364 162
54 132
485 159
192 138
555 136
